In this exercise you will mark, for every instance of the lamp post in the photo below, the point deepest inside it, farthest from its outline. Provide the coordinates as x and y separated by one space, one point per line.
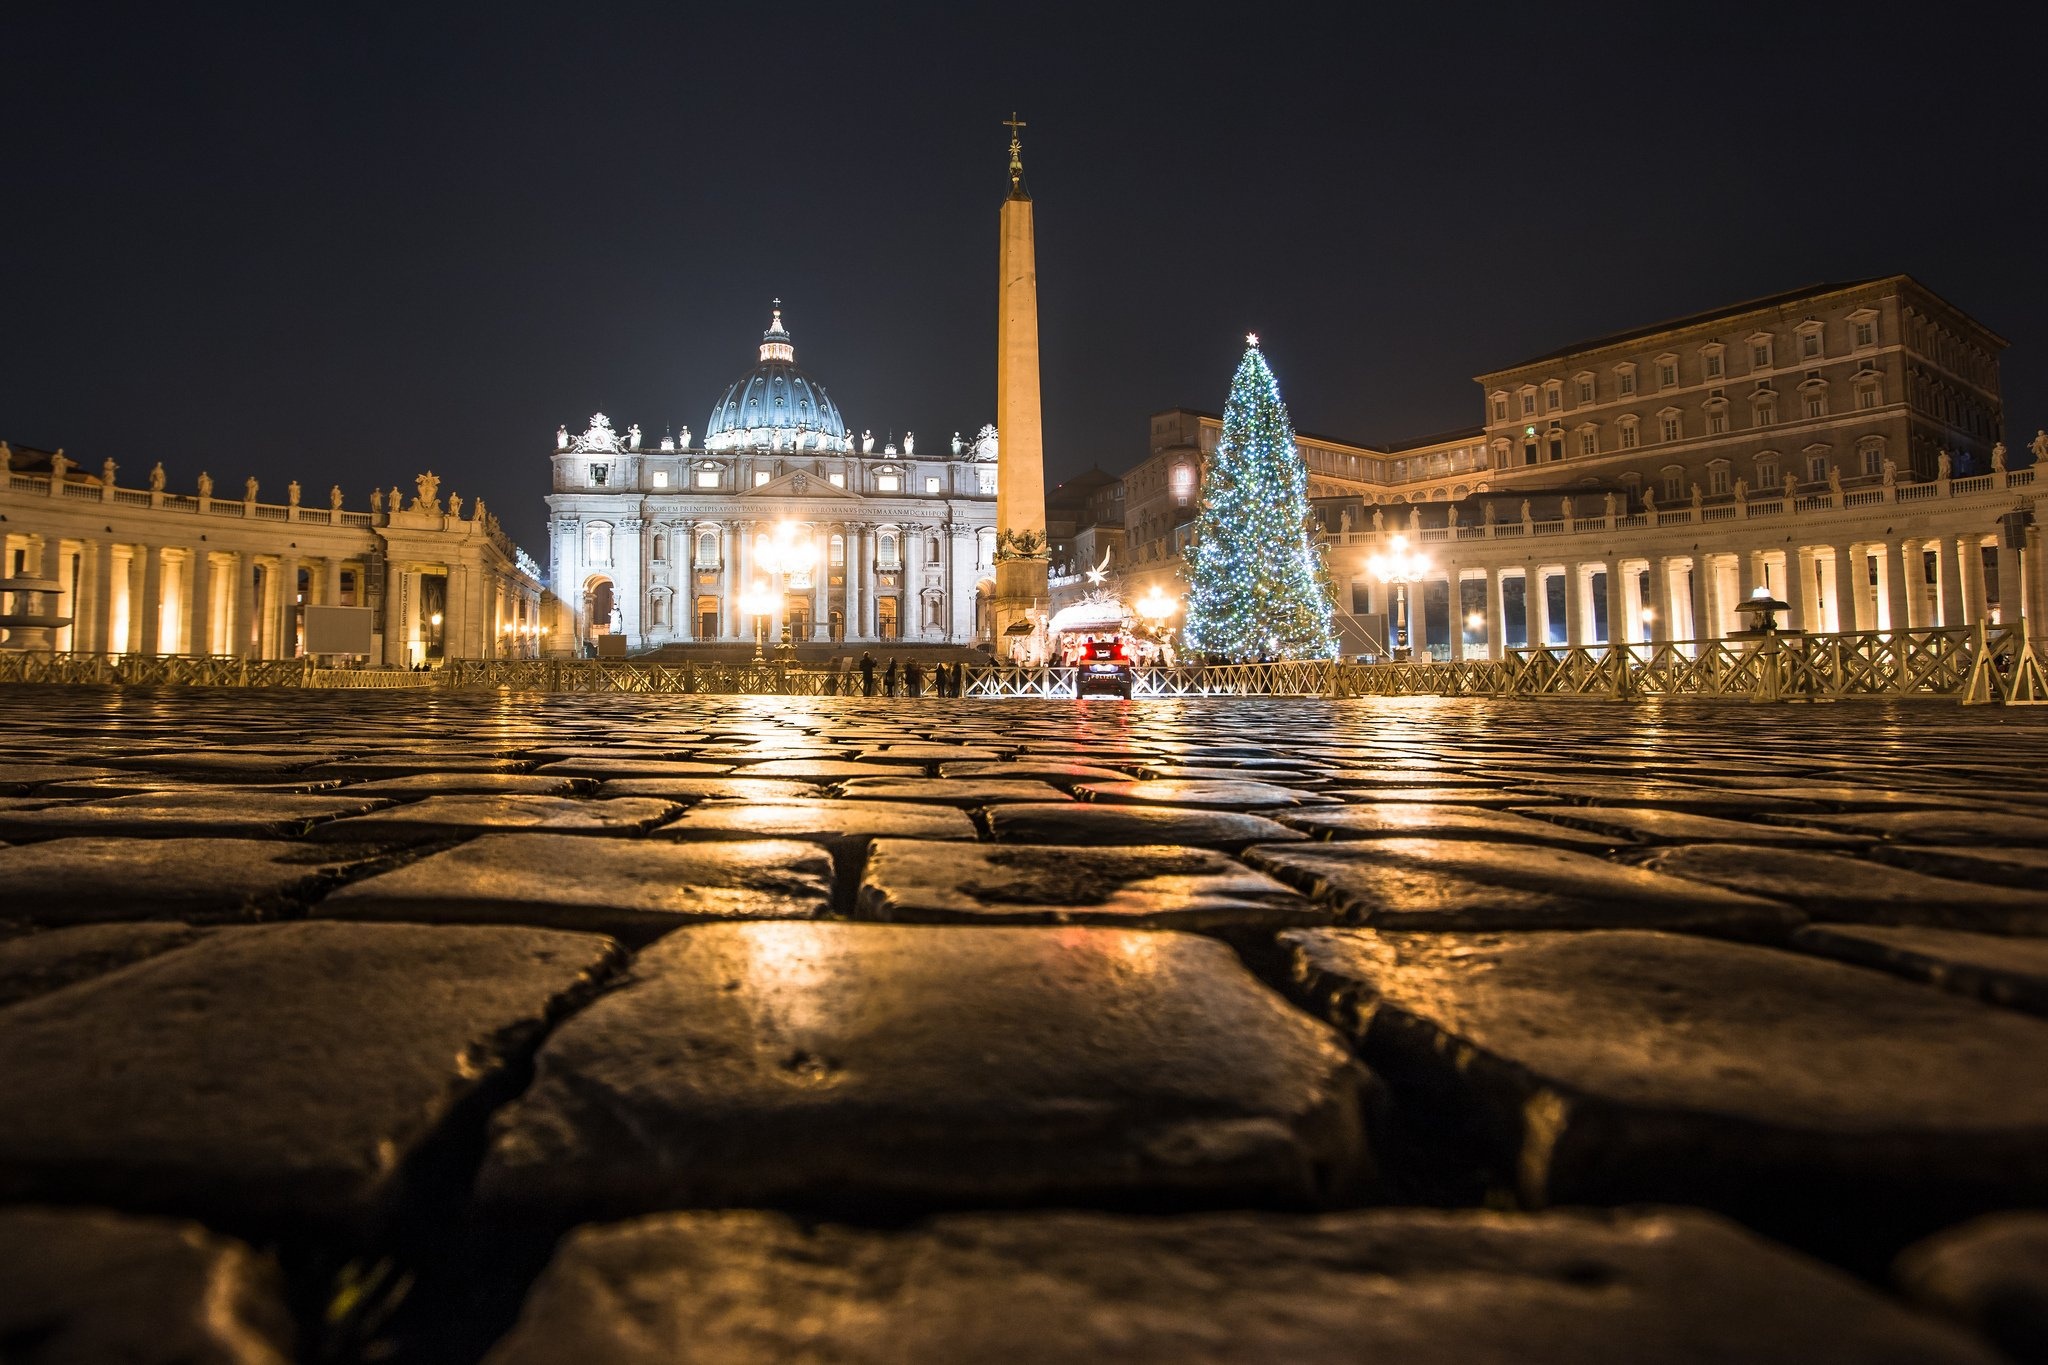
1401 570
1155 608
781 557
759 602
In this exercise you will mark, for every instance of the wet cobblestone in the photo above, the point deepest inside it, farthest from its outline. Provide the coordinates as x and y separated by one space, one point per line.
390 995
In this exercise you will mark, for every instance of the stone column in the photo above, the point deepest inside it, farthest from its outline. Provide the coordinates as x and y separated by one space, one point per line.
742 561
1970 552
241 612
2010 593
1496 615
1456 597
1536 606
205 587
1745 574
1901 560
1621 622
725 584
1801 590
148 610
1948 561
99 583
1850 568
1700 601
1662 608
286 644
821 576
684 557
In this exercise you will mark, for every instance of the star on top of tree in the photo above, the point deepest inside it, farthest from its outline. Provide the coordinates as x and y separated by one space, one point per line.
1251 338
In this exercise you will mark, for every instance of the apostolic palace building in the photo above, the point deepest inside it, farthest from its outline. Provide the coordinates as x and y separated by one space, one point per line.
780 522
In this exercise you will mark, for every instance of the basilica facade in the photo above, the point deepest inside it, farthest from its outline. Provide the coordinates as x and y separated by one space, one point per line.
778 523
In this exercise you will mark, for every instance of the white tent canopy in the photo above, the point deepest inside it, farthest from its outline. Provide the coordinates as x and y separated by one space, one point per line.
1092 614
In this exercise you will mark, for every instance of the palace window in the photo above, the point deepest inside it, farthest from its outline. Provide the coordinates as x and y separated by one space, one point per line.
1589 442
838 552
761 478
1183 481
1528 402
1585 388
1866 334
1766 413
1711 359
931 483
707 549
1629 438
1816 405
1873 459
1717 421
836 480
888 483
1667 374
599 473
1817 468
1625 379
1500 407
1760 353
1767 471
1674 485
1668 426
1809 344
1718 476
1553 396
707 478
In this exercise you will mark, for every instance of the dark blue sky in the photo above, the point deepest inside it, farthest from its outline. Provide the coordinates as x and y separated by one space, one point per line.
352 242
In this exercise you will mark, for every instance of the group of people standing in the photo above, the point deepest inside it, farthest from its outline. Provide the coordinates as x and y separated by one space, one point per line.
946 680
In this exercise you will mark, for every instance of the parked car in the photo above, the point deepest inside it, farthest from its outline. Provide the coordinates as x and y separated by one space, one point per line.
1104 667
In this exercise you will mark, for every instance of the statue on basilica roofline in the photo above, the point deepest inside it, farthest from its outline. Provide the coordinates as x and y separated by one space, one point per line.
683 440
1891 473
2040 446
633 437
1998 457
910 443
1943 465
455 506
561 438
205 484
1791 485
477 510
867 443
156 478
393 501
58 465
249 487
334 497
958 444
427 492
1835 480
291 492
986 443
107 468
376 500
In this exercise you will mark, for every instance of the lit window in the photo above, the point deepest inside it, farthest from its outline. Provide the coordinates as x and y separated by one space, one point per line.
931 483
885 549
761 477
836 480
838 551
1670 428
707 478
661 478
889 483
707 549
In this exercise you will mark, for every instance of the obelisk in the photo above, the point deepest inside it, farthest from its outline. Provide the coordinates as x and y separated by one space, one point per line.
1021 555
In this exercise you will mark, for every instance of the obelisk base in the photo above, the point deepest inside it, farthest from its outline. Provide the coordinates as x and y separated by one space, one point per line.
1020 588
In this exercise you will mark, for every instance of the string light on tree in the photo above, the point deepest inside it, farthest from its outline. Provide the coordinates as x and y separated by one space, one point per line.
1257 582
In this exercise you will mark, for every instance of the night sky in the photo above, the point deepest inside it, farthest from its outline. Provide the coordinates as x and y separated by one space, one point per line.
348 243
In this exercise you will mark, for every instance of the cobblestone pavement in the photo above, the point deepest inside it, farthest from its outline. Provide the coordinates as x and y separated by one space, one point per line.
445 1028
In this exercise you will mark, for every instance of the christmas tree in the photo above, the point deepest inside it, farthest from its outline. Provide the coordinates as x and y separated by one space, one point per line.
1257 583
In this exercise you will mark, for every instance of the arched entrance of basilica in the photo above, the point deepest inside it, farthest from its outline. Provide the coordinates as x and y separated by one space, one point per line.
600 606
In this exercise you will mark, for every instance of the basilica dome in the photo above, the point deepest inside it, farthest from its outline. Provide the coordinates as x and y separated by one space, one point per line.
775 406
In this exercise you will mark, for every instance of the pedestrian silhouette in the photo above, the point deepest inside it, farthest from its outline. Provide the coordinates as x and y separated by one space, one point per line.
867 674
913 679
889 677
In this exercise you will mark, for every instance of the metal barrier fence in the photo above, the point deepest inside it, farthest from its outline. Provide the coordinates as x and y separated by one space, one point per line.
1970 664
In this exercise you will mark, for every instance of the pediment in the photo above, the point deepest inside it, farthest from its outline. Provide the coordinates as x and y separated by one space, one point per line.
801 483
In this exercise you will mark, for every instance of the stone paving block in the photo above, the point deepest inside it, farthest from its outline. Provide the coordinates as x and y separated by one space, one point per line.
634 890
930 753
274 1076
1484 798
1468 884
1989 1274
1227 794
1722 803
825 769
376 769
1964 826
1990 967
1095 824
1833 887
1158 887
255 765
2026 868
1657 826
134 784
1420 1287
472 784
79 881
1624 1066
18 778
187 814
693 789
606 768
965 792
838 824
1065 776
452 817
1181 772
82 1286
1420 819
35 964
909 1065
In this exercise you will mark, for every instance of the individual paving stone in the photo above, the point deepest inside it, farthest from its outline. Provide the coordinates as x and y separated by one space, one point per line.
1063 775
1964 826
83 1285
1160 887
1621 1066
931 753
1418 1286
448 817
826 769
1994 968
276 1075
1439 796
634 890
1654 825
79 881
254 764
375 769
964 792
1093 824
1395 819
1170 772
1670 796
1226 794
603 768
34 964
132 784
472 784
1466 884
710 788
1854 798
895 1066
195 813
839 824
2026 868
17 778
1990 1274
1833 887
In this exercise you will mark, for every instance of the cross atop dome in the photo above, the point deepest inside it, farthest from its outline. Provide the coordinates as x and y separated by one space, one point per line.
775 342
